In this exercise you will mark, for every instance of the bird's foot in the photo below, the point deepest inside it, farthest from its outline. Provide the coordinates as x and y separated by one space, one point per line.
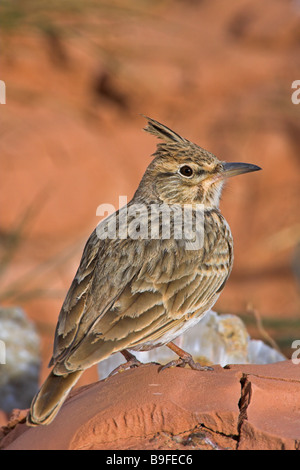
182 361
184 358
132 362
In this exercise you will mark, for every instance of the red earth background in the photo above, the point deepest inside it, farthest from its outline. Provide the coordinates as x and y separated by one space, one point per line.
79 74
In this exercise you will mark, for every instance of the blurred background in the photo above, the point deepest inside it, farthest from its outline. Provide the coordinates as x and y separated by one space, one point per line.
78 75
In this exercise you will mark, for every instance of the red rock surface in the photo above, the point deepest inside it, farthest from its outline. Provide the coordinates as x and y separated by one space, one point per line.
239 407
220 73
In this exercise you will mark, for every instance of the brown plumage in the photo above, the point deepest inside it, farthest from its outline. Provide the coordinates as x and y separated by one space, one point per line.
139 293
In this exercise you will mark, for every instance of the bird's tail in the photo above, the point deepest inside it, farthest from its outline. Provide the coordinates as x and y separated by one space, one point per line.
50 397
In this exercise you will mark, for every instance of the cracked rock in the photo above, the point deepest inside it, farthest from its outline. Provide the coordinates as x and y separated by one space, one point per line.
237 407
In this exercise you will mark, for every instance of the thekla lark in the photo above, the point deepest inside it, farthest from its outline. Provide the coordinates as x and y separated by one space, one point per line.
134 293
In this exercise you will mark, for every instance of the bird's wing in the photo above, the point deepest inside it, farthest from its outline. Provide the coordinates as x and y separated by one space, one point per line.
161 300
130 291
161 291
106 267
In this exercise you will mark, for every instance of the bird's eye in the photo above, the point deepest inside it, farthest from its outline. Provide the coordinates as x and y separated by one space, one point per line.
186 171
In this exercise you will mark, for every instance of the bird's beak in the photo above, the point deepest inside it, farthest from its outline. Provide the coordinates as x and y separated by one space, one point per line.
236 168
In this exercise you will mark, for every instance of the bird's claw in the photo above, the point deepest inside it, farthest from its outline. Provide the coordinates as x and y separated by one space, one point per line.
133 362
182 361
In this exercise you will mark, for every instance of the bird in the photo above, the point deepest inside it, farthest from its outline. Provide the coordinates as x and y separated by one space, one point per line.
134 292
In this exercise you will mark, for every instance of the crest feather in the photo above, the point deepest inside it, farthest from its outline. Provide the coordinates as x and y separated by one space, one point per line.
162 132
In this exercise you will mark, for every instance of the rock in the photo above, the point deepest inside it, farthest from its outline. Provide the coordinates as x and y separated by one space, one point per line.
19 359
272 416
237 407
261 353
3 418
217 339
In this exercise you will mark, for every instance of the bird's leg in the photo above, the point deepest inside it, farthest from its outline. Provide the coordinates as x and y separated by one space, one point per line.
131 361
130 358
184 358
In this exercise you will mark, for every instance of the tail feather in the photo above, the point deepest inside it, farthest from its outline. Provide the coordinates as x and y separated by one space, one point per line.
50 397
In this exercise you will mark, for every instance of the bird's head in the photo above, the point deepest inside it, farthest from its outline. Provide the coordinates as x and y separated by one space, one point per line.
184 173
